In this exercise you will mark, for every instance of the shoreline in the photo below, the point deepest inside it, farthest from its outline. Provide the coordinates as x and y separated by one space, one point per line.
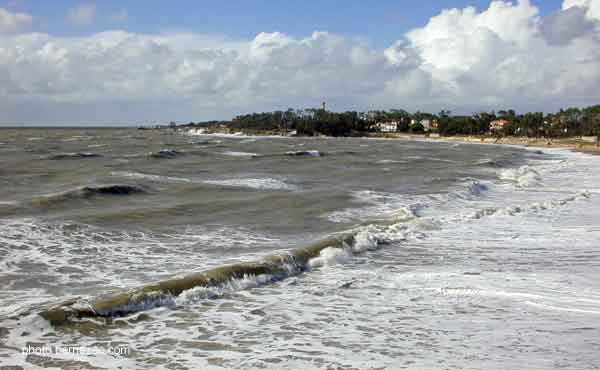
574 144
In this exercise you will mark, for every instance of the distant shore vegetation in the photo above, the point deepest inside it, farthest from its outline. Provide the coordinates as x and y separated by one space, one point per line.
569 122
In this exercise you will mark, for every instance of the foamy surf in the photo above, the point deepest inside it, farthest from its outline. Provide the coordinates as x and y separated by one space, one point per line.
151 177
417 270
522 176
240 154
254 183
162 293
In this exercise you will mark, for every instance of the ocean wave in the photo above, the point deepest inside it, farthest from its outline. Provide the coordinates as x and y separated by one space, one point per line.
215 282
533 207
254 183
330 256
96 256
304 153
470 189
495 163
77 138
166 153
338 249
203 132
380 205
144 176
206 142
87 192
239 154
201 293
80 155
390 161
523 176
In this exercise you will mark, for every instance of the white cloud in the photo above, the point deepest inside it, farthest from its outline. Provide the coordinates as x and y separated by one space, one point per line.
592 7
12 22
505 56
82 14
500 57
565 25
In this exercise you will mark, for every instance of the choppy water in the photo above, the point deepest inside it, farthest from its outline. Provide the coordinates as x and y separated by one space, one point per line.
462 256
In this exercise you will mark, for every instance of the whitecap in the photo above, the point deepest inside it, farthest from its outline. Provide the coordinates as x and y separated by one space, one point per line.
388 161
330 256
254 183
239 154
523 176
157 178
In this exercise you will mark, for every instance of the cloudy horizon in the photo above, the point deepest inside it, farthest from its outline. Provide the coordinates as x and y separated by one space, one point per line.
497 56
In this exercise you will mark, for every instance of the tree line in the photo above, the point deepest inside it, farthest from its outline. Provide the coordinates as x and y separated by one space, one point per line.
564 123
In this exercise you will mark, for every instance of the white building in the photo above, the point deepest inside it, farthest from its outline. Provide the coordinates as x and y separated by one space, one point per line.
387 126
499 125
426 123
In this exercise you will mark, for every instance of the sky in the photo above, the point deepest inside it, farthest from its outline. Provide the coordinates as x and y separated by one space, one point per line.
140 62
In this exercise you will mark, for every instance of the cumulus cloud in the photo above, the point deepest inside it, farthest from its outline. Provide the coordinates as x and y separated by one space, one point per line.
82 14
505 56
592 7
500 57
12 22
563 26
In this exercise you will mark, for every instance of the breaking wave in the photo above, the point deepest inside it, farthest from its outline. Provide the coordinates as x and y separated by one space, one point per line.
523 176
338 249
239 154
304 153
379 205
144 176
166 153
402 220
87 192
254 183
533 207
73 156
495 163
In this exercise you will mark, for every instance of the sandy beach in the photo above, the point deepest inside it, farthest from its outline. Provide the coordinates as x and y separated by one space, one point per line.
575 143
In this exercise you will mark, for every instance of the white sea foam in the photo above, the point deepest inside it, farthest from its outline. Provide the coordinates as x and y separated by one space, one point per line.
204 132
145 176
528 271
389 161
367 239
239 154
522 208
523 176
254 183
330 256
199 294
380 205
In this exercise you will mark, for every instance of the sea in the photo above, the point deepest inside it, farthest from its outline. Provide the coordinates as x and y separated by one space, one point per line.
157 249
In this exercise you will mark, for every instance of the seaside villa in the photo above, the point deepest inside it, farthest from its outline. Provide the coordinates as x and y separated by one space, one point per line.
498 125
387 126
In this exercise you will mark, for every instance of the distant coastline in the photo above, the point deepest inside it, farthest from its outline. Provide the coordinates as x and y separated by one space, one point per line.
586 144
576 128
